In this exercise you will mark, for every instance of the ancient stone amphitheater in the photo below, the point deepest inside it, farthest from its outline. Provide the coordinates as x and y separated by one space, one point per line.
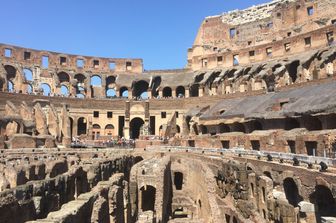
245 133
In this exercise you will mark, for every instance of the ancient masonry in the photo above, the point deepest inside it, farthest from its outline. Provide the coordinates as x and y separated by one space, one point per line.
245 133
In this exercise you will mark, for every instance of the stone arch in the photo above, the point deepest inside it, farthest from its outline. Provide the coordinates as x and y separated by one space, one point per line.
110 86
80 78
10 72
28 74
238 127
324 202
96 80
46 89
311 123
293 70
135 126
109 130
291 123
140 89
180 92
167 92
148 196
223 128
63 77
291 191
81 126
64 90
123 92
29 88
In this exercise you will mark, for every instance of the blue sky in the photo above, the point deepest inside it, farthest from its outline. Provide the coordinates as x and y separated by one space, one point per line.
158 31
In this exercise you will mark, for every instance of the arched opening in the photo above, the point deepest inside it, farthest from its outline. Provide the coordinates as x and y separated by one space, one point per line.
109 130
110 81
10 72
81 126
46 89
178 129
312 123
123 92
268 174
10 86
135 126
223 128
155 83
63 77
180 92
237 127
111 93
203 129
148 194
291 191
29 89
80 78
167 92
324 202
293 70
64 90
96 131
194 90
178 180
140 89
291 123
28 74
96 81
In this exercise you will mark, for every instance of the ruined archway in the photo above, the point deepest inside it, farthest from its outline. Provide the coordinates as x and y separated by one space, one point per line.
81 126
194 90
46 89
63 77
135 126
167 92
123 92
140 89
324 202
291 191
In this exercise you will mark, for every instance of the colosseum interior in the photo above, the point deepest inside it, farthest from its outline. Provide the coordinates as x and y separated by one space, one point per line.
246 132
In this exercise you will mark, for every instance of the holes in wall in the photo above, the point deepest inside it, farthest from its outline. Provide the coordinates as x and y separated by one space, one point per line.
109 114
178 180
129 65
235 60
180 92
204 62
96 114
232 32
291 145
255 145
270 25
28 74
62 60
269 51
311 147
287 47
8 52
163 114
96 81
307 41
64 90
81 126
252 54
330 37
112 65
26 55
225 144
45 61
80 63
310 11
95 63
219 59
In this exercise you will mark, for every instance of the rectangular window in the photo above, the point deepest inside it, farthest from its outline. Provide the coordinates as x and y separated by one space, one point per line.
128 65
176 114
252 54
112 65
109 114
289 34
269 51
45 61
95 63
204 62
287 47
307 41
235 60
62 60
330 37
163 114
96 114
8 52
310 11
220 59
233 32
26 55
249 43
80 63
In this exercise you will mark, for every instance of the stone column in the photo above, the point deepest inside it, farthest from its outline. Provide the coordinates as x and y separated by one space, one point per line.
187 93
149 92
200 91
174 93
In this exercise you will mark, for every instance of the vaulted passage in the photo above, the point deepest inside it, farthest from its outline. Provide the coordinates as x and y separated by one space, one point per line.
135 127
291 191
81 128
148 194
324 202
178 180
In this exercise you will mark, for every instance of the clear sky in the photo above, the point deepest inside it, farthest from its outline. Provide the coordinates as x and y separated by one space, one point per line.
159 31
